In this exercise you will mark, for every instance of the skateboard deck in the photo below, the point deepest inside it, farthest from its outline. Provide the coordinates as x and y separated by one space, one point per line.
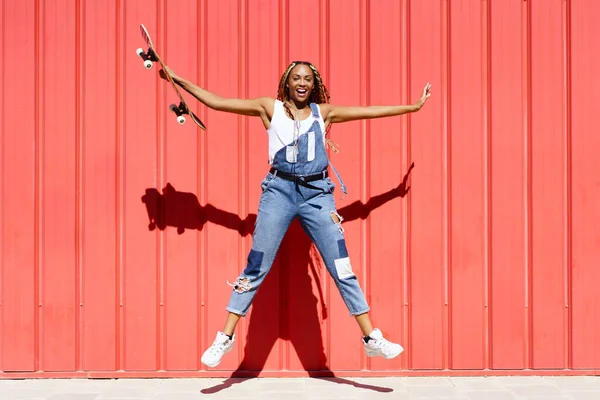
150 57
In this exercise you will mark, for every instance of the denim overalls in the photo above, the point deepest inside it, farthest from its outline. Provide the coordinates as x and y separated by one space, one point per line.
298 186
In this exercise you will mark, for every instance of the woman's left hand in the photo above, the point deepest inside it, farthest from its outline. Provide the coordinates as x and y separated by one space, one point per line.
424 96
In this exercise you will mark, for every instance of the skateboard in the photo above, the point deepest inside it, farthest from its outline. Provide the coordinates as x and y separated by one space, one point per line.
150 57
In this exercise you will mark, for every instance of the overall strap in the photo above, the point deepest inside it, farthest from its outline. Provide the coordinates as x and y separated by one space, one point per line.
315 113
343 187
315 110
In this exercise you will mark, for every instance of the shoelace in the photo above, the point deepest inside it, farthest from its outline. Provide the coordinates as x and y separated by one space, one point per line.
384 343
218 346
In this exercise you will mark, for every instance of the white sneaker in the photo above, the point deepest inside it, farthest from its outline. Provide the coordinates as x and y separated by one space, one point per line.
221 346
380 346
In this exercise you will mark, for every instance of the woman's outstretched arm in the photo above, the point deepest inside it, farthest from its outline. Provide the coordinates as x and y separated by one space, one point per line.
259 106
333 113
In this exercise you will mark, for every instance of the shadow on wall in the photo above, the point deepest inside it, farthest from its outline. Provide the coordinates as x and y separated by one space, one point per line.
182 211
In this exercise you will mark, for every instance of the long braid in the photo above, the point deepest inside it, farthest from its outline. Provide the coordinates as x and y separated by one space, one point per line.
319 94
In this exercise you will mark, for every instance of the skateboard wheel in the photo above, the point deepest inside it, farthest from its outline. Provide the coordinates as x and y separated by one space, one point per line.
148 64
181 119
139 51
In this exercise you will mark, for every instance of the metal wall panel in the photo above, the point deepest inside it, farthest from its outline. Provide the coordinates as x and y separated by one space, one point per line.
472 225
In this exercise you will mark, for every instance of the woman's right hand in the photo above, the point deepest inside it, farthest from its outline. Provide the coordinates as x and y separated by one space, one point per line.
163 73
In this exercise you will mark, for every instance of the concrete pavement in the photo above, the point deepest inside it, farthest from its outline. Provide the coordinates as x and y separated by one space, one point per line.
413 388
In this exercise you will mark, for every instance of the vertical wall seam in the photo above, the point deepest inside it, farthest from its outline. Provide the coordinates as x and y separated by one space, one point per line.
245 187
161 126
243 143
530 178
285 345
282 58
202 179
324 37
79 326
526 78
120 179
39 112
405 93
284 46
364 149
487 282
284 40
446 185
202 256
240 153
568 262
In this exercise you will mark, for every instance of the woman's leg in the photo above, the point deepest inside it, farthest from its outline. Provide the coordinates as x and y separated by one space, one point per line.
320 220
364 322
322 223
230 323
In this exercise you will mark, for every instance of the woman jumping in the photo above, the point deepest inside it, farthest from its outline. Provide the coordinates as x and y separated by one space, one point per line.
297 186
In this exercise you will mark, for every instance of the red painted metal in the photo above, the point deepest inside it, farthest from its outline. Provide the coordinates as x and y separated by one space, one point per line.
487 265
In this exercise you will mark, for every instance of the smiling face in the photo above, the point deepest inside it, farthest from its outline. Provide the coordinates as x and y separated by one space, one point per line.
300 83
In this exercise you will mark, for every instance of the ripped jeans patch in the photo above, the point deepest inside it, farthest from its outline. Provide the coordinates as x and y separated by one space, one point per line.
337 219
241 284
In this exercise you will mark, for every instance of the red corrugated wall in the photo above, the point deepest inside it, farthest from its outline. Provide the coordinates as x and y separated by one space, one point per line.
486 264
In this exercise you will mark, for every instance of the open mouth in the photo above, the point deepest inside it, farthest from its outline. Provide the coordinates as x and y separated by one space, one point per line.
301 92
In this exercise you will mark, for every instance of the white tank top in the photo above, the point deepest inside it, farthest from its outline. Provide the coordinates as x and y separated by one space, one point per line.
281 130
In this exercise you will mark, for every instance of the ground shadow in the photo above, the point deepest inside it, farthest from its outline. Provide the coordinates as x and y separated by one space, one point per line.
276 296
